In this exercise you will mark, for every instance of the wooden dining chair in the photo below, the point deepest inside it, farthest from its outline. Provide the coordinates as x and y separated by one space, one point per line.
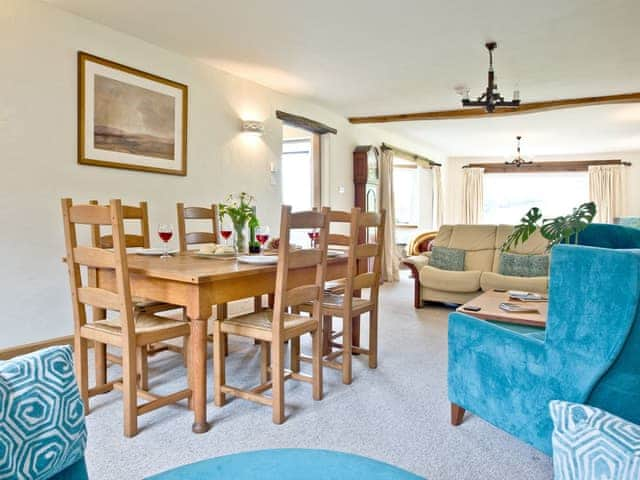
346 305
132 331
274 327
132 214
187 238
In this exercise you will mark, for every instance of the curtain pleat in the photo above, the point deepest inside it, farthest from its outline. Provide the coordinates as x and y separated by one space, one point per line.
607 188
390 260
472 195
438 198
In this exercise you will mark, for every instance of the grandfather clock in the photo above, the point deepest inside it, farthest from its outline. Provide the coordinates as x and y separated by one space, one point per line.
366 178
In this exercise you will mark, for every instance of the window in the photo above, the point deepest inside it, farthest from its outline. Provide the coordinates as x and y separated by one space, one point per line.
300 173
413 198
508 196
297 173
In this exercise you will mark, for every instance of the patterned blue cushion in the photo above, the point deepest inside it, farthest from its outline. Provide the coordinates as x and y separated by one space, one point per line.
515 265
42 428
447 259
591 444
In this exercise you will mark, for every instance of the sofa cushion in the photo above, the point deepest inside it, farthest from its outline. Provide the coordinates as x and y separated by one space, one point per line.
473 237
536 244
447 258
516 265
591 444
448 281
491 281
42 416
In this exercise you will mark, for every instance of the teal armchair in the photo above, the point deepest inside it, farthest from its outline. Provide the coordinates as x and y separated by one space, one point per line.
42 428
590 353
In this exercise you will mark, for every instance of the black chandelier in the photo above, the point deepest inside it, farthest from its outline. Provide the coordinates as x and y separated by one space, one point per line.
519 161
491 99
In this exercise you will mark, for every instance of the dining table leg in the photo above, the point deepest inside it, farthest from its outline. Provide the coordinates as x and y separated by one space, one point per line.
198 372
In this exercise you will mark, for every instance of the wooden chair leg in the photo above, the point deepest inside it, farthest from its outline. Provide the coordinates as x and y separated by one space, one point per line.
222 313
295 354
100 362
218 364
80 352
347 342
316 363
327 327
373 338
457 414
257 303
129 391
143 368
265 354
185 351
277 379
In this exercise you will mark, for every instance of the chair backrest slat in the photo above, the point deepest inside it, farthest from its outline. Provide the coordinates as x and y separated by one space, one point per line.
98 297
309 219
140 213
303 294
193 238
94 257
87 215
364 280
339 239
196 213
289 260
366 250
304 258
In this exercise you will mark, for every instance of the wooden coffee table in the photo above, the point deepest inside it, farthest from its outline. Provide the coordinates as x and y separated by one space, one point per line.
489 303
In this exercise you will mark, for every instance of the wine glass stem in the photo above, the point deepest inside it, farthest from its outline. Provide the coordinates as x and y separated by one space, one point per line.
166 250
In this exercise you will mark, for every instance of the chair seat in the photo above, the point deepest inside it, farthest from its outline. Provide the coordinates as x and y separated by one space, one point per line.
141 303
258 325
334 304
149 328
335 286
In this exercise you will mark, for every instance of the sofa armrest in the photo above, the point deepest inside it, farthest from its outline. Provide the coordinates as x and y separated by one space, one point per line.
415 264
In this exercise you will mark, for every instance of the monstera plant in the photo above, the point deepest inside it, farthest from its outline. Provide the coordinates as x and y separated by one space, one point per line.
556 230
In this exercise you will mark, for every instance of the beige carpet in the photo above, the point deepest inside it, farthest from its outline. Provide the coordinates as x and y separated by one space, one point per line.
398 413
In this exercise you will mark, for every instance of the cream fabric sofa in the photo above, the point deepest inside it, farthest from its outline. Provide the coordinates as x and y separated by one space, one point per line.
482 244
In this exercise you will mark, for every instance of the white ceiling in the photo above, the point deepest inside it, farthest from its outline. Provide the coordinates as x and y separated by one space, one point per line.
362 57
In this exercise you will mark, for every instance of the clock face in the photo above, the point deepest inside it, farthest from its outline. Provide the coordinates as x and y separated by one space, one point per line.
372 166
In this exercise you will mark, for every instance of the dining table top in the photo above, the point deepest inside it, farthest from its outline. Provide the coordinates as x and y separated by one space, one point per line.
191 268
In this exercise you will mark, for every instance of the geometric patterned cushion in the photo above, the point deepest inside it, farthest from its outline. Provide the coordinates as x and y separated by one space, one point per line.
591 444
444 258
42 427
515 265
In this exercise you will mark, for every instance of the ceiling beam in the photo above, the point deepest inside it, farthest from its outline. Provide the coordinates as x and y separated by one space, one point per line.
531 107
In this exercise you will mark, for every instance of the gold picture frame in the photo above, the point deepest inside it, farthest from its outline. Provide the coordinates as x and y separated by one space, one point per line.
130 119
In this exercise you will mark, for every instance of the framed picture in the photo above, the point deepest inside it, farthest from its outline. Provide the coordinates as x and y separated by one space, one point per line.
130 119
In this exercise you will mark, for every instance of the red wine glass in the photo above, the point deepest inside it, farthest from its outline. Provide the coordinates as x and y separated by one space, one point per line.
313 236
262 235
226 230
165 232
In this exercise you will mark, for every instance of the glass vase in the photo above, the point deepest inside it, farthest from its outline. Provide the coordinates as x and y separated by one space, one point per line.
241 236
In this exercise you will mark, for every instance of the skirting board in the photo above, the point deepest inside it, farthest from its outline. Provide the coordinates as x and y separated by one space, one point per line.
8 353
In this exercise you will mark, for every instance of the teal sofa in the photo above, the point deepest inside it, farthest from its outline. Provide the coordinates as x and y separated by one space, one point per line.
590 353
42 428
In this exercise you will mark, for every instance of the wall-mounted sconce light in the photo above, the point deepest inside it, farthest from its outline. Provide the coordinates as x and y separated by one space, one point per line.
253 127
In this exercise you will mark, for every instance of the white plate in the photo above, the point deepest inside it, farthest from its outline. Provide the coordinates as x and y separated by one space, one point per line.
335 253
258 259
153 252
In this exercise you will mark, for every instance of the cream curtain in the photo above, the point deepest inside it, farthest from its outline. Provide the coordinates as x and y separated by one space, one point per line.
390 260
438 200
472 195
607 188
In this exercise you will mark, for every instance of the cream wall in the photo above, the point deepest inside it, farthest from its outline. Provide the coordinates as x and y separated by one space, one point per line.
453 181
38 47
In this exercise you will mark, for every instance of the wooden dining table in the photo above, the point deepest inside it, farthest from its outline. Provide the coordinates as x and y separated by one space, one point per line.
197 284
